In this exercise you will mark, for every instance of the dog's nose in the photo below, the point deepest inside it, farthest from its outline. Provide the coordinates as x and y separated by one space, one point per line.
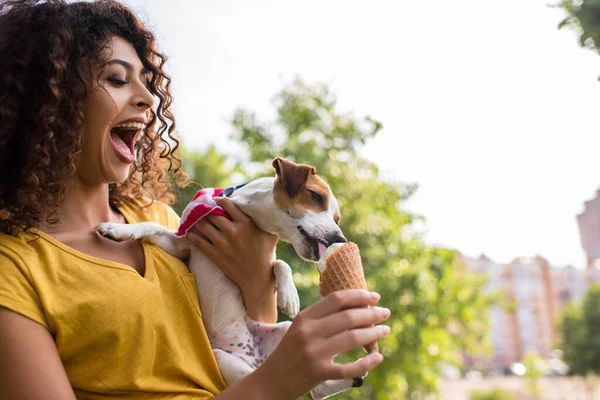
336 238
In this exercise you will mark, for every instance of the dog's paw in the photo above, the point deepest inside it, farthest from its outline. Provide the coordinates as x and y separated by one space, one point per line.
287 294
288 300
116 232
331 387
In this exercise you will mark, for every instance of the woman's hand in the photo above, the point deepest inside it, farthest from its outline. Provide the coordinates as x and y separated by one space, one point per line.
339 322
244 253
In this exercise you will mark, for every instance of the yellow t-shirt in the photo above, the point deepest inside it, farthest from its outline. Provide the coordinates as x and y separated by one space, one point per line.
119 334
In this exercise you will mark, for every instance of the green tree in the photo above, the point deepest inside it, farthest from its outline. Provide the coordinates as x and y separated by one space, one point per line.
583 16
438 309
534 369
493 394
206 169
580 334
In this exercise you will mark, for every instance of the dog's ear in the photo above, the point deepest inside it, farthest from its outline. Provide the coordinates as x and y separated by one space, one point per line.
293 176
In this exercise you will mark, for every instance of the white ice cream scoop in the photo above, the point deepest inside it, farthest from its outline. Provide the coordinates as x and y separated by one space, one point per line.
321 264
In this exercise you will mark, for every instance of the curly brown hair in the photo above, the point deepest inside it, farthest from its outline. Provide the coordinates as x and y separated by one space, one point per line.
47 52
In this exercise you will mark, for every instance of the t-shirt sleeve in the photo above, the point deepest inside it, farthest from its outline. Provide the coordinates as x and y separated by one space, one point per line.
172 218
167 217
144 209
17 290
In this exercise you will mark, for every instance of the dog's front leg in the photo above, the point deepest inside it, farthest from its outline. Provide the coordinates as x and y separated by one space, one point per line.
149 232
287 294
334 386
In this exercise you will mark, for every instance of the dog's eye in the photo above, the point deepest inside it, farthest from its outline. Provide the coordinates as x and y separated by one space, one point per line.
317 198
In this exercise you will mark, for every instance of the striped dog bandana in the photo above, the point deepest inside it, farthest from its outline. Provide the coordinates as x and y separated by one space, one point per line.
202 205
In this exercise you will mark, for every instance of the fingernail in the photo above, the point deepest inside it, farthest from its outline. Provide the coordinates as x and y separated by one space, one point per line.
383 312
375 296
377 357
384 329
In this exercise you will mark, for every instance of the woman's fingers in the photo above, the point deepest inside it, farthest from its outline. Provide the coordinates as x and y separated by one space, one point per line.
352 318
234 212
209 231
206 237
221 223
350 339
202 242
341 300
358 368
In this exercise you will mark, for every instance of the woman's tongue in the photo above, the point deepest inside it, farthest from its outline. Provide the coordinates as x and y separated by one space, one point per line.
121 148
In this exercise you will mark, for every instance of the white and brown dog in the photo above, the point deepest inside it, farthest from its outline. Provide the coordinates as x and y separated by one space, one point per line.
297 206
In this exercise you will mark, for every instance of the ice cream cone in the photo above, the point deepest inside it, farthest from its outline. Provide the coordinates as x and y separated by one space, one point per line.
344 270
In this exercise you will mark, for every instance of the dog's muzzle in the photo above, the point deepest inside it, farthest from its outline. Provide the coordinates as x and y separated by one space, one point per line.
328 240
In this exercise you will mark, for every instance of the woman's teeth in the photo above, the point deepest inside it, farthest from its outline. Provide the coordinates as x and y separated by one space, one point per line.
134 125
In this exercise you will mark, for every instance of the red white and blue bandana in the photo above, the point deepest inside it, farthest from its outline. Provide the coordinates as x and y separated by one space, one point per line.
202 205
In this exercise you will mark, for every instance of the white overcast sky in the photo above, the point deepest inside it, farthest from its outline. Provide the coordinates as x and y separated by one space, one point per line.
485 104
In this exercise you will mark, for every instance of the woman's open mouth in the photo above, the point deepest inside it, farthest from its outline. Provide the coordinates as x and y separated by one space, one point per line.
123 138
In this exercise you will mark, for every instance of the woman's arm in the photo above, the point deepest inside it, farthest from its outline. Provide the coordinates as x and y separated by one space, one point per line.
243 252
30 367
304 358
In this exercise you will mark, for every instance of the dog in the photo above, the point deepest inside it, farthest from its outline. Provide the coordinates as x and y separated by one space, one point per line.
297 206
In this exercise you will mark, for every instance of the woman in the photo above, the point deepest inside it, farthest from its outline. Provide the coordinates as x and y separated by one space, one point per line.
86 137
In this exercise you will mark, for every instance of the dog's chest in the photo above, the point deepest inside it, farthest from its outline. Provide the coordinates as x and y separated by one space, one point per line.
220 298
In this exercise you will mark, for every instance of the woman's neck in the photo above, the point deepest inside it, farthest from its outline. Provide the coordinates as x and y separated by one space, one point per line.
82 209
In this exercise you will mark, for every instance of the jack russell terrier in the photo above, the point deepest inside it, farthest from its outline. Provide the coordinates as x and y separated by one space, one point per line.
297 206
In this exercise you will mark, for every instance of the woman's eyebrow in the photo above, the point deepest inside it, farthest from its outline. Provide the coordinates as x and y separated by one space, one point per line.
127 65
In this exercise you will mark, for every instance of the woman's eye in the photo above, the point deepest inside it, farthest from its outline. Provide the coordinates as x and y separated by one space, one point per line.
117 82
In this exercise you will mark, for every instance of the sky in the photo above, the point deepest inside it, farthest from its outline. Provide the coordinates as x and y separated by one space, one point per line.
486 105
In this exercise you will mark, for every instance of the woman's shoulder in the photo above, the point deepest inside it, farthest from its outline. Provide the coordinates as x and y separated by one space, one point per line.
21 254
21 269
19 246
147 210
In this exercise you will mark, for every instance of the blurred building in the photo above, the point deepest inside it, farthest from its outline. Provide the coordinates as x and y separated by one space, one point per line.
536 307
589 229
533 294
504 331
592 273
569 284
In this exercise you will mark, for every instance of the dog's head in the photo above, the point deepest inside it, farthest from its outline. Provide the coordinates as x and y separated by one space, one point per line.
297 206
311 208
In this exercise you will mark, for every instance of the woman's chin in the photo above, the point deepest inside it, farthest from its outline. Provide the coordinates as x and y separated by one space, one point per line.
118 171
121 179
117 175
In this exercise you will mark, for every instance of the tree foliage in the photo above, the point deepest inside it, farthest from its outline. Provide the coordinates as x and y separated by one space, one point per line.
206 169
492 394
583 16
580 336
579 325
438 309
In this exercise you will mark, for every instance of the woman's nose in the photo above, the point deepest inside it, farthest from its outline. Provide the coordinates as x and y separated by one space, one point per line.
143 98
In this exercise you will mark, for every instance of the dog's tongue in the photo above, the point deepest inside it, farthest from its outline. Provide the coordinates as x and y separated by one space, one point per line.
322 249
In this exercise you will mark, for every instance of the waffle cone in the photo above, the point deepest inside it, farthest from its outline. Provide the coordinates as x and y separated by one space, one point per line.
344 270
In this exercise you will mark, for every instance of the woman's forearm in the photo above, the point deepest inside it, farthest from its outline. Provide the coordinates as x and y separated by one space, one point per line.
257 385
261 302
